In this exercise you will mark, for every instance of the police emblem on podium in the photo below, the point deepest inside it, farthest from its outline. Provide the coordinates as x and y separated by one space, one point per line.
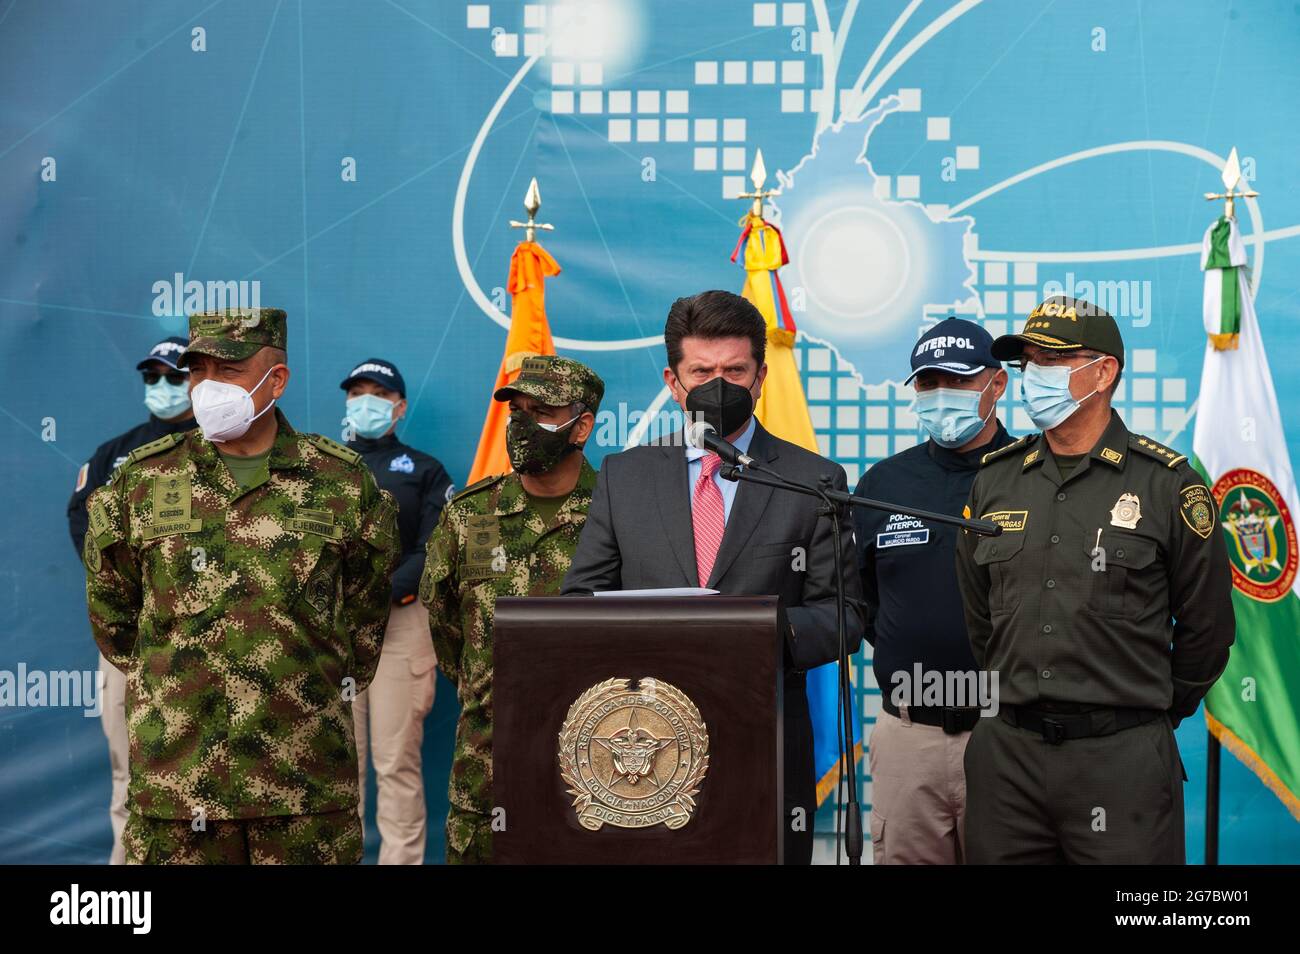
633 756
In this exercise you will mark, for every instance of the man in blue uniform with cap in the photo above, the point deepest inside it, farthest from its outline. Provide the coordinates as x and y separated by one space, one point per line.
395 704
913 607
167 396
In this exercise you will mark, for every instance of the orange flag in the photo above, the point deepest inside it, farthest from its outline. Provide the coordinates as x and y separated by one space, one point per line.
530 266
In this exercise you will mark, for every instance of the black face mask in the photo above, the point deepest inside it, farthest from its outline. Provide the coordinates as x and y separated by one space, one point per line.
727 406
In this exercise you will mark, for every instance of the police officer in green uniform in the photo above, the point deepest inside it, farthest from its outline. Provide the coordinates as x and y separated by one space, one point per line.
508 535
1104 608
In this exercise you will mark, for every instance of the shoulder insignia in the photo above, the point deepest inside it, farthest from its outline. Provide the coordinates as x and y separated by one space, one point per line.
1197 509
1003 451
334 448
155 447
478 485
1145 445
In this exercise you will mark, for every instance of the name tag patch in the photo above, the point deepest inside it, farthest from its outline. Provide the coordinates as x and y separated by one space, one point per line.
902 530
319 522
167 528
902 538
1008 520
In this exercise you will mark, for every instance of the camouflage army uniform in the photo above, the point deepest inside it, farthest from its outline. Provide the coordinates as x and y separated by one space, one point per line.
491 542
238 617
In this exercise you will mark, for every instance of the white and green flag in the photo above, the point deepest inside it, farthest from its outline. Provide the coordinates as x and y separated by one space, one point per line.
1223 257
1240 449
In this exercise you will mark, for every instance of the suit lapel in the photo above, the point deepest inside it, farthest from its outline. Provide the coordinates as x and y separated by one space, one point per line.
672 488
747 509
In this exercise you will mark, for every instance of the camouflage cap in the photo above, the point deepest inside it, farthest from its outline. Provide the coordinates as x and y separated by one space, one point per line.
1064 324
555 380
236 333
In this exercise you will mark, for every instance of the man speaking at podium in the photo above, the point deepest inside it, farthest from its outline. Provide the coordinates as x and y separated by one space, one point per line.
662 516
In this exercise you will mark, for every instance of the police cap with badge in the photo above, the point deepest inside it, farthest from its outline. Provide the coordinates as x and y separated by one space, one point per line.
953 346
168 352
236 334
381 372
1061 323
556 381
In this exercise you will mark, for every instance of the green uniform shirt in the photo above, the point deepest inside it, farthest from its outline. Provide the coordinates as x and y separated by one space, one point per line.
246 470
1140 617
490 542
242 618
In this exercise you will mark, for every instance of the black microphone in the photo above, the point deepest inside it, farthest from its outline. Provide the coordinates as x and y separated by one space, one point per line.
703 435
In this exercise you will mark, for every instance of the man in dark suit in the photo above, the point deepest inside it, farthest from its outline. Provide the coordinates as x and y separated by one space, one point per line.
663 517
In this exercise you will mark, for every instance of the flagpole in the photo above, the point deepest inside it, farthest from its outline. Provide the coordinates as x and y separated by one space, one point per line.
1231 178
1212 763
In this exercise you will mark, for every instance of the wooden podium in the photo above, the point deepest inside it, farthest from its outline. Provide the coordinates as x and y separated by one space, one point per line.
681 764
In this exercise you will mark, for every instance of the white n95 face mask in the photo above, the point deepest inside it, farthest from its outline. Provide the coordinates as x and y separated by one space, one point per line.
225 411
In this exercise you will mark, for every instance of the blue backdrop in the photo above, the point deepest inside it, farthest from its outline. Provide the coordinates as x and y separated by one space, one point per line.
360 161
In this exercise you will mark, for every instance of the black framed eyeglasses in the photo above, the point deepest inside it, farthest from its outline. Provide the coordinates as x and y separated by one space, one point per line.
173 377
1054 359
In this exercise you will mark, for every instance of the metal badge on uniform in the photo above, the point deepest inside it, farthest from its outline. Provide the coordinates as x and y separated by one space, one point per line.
1127 512
402 464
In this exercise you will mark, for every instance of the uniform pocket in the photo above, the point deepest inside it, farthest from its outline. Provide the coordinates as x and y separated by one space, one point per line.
878 855
774 550
1127 557
425 682
998 555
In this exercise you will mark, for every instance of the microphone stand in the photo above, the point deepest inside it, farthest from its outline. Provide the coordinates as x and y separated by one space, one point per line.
832 500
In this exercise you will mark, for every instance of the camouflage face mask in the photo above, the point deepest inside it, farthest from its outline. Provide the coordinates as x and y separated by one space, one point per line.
536 448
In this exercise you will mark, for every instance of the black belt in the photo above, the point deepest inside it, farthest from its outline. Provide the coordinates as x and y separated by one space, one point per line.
952 719
1057 727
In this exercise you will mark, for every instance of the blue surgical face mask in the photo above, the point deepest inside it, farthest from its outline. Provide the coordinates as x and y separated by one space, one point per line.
951 416
167 400
370 415
1046 394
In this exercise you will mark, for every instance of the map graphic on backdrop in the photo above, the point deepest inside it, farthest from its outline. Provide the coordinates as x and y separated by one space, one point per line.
933 157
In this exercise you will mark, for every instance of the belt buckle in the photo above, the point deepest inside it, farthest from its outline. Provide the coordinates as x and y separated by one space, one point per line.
951 725
1053 731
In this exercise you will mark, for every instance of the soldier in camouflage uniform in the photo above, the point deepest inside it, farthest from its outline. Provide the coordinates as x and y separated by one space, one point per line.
509 535
239 576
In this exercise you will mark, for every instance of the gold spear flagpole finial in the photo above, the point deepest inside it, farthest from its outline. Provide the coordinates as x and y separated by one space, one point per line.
532 203
1231 179
758 175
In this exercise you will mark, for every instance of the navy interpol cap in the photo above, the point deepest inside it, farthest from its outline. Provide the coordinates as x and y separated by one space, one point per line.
383 373
168 351
954 346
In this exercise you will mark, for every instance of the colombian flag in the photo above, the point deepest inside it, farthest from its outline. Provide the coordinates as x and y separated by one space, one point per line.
783 410
530 266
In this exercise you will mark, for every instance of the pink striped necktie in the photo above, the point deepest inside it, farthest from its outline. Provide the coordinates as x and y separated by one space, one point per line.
710 517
